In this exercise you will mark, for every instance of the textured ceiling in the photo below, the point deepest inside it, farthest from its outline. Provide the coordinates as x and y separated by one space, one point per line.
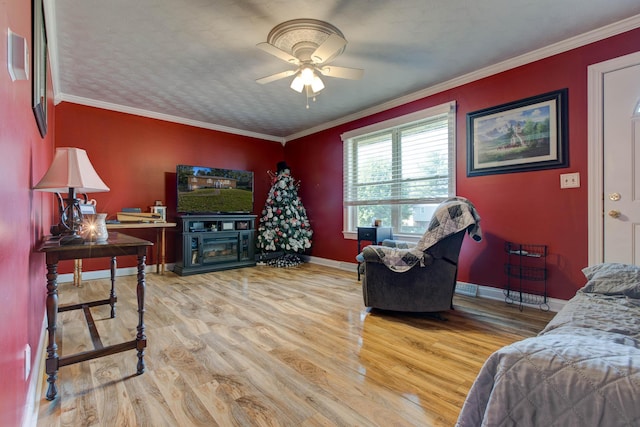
197 60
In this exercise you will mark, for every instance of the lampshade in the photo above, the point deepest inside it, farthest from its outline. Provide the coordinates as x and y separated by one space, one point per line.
297 84
317 85
71 169
307 75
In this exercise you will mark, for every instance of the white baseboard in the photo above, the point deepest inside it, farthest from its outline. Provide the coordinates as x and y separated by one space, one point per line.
490 292
36 380
106 274
487 292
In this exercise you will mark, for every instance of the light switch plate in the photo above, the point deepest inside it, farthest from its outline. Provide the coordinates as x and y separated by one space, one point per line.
17 56
570 180
27 361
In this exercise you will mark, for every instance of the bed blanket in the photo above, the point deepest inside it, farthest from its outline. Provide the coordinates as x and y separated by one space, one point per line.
453 215
582 370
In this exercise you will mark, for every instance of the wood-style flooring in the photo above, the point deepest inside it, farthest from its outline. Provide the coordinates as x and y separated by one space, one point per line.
265 346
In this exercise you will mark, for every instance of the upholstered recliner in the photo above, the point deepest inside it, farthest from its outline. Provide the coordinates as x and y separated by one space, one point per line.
422 277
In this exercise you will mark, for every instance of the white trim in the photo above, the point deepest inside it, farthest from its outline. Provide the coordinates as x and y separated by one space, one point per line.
497 294
166 117
36 380
620 27
595 143
487 292
106 274
611 30
444 108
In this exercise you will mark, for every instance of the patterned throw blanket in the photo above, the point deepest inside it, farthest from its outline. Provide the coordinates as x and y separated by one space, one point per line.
452 215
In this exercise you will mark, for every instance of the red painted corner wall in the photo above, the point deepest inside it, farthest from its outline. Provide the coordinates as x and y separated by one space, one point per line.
137 156
24 217
526 207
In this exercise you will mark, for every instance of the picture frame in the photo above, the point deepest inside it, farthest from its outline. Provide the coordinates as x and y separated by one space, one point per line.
39 71
525 135
161 210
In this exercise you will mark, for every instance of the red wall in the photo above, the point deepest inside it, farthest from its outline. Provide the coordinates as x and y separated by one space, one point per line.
136 157
526 207
24 215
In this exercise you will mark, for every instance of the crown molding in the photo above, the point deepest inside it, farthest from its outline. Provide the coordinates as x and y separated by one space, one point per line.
536 55
611 30
166 117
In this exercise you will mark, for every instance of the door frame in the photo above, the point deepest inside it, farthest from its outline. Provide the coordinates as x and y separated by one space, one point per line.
595 150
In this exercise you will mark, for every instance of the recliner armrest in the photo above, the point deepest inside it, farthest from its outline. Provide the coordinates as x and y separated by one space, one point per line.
401 244
371 254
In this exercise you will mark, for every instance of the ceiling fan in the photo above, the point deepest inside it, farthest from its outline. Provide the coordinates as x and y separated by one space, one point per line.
308 44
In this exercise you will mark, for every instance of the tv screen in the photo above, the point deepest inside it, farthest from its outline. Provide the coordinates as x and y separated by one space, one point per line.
213 190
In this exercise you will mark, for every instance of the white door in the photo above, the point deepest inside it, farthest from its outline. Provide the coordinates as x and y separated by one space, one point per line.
621 163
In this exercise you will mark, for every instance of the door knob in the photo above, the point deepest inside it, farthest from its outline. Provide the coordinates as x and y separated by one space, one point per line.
614 213
614 197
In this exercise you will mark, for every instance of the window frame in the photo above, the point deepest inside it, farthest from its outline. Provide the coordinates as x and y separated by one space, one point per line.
349 218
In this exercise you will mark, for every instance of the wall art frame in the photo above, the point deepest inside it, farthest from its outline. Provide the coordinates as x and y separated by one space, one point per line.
525 135
39 71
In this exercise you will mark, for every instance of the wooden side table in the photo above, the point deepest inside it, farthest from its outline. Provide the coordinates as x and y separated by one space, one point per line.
374 235
117 245
160 237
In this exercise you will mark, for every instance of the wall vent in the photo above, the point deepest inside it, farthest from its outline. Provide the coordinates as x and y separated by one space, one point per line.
467 289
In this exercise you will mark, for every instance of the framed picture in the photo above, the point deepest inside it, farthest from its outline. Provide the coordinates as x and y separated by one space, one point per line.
525 135
161 210
39 72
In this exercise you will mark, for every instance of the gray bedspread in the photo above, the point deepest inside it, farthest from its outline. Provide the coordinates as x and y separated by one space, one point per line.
582 370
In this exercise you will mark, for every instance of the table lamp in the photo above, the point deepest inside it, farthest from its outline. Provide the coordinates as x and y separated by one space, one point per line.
70 172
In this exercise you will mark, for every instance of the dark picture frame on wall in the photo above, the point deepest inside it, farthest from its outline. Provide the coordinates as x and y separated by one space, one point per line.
39 71
525 135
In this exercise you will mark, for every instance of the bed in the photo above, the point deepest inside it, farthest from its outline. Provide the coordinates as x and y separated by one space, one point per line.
583 369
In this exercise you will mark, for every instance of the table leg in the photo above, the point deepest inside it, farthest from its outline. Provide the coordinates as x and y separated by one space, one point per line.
141 338
162 252
112 295
52 362
157 254
77 272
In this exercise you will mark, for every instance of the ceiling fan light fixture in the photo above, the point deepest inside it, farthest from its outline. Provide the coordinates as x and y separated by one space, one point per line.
297 84
307 75
309 44
317 85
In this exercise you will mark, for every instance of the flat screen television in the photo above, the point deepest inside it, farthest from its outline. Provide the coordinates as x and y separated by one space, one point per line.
207 190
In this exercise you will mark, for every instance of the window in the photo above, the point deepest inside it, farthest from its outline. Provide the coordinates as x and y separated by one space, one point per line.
399 170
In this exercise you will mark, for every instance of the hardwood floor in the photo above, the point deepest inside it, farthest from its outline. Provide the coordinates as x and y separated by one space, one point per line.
274 347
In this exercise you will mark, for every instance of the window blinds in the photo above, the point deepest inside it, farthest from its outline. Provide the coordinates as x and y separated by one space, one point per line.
405 164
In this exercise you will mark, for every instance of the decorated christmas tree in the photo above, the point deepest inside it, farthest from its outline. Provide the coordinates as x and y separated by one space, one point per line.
284 226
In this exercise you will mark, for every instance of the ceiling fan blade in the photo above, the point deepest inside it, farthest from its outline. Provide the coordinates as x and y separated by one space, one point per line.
341 72
277 76
328 49
278 53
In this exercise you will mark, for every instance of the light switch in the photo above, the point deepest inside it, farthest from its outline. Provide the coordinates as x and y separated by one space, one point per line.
17 57
570 180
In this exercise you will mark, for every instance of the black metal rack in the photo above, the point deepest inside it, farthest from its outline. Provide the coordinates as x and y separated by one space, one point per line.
526 271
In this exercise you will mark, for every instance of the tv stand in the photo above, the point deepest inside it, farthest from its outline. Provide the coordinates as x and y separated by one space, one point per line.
215 242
